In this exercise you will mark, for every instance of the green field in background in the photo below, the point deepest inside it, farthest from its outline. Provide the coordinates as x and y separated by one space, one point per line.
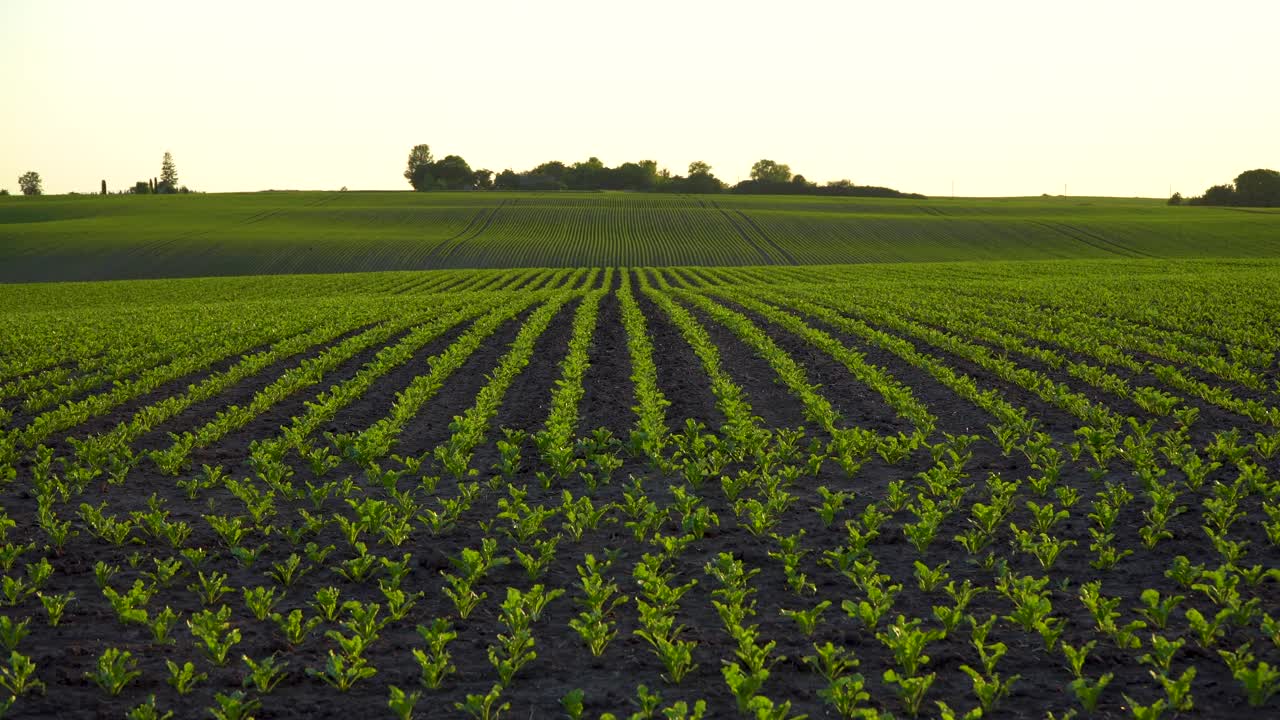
111 237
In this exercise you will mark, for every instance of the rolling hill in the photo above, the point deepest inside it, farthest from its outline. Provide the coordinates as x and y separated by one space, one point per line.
116 237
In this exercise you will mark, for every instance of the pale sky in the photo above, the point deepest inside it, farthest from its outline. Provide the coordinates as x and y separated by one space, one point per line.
1119 98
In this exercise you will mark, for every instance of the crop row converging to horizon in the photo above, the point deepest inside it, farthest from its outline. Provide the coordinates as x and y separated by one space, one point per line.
949 490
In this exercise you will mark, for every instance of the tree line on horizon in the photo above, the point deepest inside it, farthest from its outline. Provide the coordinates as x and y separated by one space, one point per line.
768 177
30 183
1252 188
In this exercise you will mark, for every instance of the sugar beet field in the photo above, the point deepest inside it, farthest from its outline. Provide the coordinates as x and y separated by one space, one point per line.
949 490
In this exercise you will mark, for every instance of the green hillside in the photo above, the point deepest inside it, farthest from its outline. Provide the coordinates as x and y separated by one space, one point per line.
93 237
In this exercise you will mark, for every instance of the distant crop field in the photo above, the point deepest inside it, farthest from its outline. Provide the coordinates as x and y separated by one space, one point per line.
758 491
116 237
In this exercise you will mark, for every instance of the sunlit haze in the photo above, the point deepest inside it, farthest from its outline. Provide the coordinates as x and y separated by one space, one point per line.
991 98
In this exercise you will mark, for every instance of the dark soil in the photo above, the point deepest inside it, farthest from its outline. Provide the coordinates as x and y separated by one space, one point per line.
770 399
243 392
681 377
607 386
63 654
857 403
527 402
431 426
235 447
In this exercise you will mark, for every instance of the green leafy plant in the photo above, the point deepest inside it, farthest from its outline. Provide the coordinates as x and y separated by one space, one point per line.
1156 609
1207 632
484 707
807 619
595 624
19 676
1076 656
1088 692
991 688
536 563
830 661
290 570
1260 681
910 689
12 633
114 670
907 642
572 704
832 503
1146 712
261 601
929 578
402 703
184 677
234 706
211 588
264 675
1178 689
435 663
214 630
342 672
326 602
147 711
295 627
160 625
663 634
130 606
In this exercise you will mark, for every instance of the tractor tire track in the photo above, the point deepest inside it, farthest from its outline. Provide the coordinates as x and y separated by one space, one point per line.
442 252
1094 241
791 259
1102 239
742 233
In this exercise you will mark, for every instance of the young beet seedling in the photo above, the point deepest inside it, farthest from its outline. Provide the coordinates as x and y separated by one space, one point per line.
402 703
808 619
435 663
184 678
114 670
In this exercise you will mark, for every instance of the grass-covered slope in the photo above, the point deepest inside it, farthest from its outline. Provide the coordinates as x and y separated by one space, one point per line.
90 237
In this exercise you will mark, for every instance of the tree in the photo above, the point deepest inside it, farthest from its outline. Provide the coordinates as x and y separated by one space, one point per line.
507 180
1175 199
30 183
555 170
1258 188
168 175
642 176
4 192
538 182
768 171
104 187
453 173
418 171
482 179
589 175
700 180
1220 195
